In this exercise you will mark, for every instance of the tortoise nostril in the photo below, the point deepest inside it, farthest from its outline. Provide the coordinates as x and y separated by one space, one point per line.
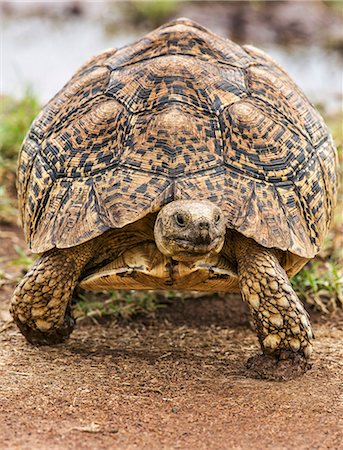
204 225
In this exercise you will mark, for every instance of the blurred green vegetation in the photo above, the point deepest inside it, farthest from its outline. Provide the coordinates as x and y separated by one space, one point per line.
23 260
336 5
16 117
320 283
150 13
8 205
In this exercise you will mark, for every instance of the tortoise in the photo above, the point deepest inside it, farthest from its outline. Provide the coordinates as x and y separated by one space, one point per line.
183 161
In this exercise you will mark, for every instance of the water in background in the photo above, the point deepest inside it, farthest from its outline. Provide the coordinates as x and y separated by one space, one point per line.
43 54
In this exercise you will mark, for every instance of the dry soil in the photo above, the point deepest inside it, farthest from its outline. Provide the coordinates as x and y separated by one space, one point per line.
175 381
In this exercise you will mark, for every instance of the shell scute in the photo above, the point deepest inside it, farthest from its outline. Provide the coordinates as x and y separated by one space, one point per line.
89 144
173 142
181 37
148 85
272 86
261 146
180 114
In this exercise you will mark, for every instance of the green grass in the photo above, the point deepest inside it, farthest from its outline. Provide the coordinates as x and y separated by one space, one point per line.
16 117
23 259
118 304
320 285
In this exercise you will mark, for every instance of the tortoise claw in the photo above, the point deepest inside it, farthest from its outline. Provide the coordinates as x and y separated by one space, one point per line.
56 336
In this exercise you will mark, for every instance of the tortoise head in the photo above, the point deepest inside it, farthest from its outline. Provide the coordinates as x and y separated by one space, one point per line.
187 230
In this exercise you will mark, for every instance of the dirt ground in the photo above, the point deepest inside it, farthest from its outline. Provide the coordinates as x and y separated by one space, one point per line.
175 381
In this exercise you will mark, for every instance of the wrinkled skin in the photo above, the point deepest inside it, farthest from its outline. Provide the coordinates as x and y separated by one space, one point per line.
183 231
186 231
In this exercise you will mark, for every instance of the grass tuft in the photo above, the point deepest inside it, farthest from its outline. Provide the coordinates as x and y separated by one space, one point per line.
116 304
320 285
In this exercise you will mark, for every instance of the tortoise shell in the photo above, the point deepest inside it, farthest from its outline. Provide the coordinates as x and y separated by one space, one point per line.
180 114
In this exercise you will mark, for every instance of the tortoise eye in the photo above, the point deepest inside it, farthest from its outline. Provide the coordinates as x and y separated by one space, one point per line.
180 220
216 218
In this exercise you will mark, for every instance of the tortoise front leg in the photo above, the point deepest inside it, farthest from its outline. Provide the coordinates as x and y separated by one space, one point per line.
282 324
40 304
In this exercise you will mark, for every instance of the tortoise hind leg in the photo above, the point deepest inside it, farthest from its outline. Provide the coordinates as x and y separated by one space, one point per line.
282 324
40 304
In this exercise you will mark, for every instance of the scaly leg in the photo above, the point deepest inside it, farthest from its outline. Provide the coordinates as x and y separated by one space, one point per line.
281 321
40 304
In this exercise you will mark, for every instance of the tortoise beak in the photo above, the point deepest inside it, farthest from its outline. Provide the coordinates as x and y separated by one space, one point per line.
198 247
203 238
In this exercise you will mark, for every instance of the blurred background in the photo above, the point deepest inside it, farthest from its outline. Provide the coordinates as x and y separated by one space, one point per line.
43 43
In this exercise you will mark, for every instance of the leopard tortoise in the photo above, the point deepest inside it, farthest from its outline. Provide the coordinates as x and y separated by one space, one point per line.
182 161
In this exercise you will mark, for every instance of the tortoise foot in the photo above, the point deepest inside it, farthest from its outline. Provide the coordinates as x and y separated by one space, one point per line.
53 337
287 367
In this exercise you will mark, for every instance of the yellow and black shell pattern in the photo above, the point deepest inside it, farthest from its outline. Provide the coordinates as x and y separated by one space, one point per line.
180 114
